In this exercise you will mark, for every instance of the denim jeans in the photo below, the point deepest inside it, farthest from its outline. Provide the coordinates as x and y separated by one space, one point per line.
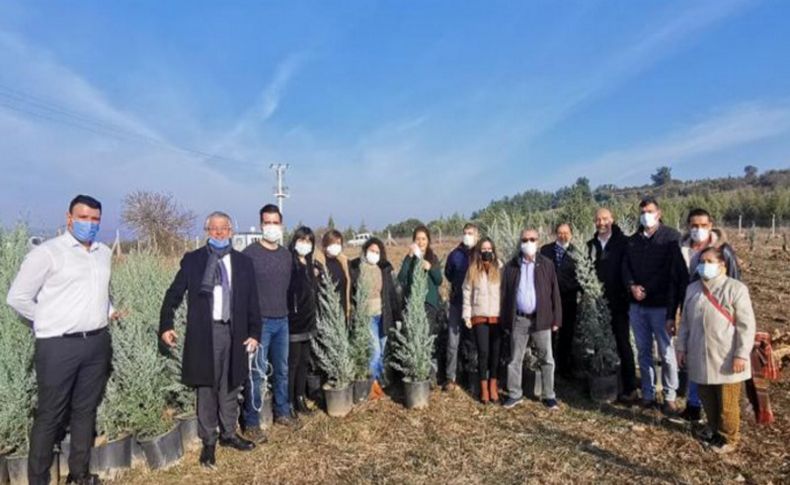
379 338
693 395
649 323
274 348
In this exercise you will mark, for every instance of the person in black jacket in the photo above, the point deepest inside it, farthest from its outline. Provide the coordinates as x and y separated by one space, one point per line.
223 325
384 303
647 269
606 249
565 267
302 302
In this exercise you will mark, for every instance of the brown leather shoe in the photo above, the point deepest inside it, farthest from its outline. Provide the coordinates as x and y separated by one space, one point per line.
484 391
376 392
493 390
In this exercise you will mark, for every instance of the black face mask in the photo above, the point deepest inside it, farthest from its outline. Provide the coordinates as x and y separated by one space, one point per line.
487 256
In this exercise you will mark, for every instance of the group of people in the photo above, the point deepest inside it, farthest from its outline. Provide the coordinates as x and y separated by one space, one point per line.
257 309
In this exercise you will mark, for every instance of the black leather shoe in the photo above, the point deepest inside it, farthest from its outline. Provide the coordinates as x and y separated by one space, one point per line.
86 479
237 442
207 457
302 408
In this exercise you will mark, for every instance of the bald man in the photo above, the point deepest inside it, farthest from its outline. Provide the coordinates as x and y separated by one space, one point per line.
606 249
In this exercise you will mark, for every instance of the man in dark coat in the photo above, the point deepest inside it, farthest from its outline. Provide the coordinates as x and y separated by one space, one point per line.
531 311
223 321
565 267
606 249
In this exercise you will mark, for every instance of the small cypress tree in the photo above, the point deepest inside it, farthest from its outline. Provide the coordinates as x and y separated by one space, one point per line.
412 344
331 344
594 343
361 346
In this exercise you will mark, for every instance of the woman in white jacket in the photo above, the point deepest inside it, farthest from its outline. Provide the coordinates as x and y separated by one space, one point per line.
481 291
716 337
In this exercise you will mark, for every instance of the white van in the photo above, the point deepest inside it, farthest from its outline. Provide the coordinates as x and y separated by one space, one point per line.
359 239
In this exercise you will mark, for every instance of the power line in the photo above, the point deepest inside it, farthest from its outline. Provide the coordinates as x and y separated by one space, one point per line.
30 105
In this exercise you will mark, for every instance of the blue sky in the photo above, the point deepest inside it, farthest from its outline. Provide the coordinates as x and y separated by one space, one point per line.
385 110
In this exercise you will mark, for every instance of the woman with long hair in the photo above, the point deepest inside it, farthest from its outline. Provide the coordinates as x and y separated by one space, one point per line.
302 303
481 297
383 304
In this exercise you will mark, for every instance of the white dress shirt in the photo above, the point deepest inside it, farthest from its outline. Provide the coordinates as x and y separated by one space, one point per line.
63 288
217 310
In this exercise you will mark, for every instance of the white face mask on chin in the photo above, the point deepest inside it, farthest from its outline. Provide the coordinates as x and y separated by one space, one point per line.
373 257
699 234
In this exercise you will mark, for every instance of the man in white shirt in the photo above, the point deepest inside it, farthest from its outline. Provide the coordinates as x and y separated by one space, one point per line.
62 288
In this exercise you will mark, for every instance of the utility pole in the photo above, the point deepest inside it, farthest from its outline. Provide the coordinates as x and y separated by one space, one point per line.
280 190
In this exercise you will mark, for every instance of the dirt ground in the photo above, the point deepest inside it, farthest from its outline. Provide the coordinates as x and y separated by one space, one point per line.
459 441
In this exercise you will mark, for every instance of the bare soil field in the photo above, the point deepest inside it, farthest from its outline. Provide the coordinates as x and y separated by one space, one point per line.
457 440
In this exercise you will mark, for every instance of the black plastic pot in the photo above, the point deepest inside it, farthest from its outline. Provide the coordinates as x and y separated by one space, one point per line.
108 459
163 450
314 387
3 470
416 393
362 390
188 427
17 470
603 389
339 401
138 455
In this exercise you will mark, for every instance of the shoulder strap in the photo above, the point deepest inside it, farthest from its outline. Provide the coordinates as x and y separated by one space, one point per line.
717 305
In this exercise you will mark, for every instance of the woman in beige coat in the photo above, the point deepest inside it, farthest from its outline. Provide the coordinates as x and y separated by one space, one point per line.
716 337
481 314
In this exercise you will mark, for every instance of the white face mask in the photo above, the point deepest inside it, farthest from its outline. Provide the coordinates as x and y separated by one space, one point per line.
334 250
469 240
648 220
529 248
708 271
272 233
699 234
372 257
303 248
417 251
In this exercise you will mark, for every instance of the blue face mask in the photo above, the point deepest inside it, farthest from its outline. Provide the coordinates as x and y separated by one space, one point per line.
218 243
84 231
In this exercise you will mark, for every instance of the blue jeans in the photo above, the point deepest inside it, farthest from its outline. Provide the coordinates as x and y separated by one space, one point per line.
648 323
379 339
693 396
274 348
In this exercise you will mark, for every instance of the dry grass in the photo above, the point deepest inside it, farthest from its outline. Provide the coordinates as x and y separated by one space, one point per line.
459 441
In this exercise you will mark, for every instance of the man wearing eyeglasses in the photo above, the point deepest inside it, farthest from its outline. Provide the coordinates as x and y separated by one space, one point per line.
223 326
532 310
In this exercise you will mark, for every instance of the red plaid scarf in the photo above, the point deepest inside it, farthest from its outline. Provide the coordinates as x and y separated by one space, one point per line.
764 369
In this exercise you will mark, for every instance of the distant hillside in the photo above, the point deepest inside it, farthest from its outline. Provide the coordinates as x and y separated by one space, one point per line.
754 197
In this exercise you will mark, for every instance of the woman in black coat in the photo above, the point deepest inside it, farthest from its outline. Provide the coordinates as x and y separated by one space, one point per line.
302 302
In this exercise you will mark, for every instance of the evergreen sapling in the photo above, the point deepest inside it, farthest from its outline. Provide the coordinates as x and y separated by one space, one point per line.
412 344
331 344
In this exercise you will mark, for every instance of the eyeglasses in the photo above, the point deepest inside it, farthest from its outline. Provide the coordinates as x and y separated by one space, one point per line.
218 229
529 239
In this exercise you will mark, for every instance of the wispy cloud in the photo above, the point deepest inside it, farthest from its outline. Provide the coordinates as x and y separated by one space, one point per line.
739 125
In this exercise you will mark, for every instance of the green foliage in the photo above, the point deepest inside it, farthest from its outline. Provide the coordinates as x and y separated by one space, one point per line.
331 344
361 345
663 176
404 228
594 343
412 344
144 382
17 377
505 230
